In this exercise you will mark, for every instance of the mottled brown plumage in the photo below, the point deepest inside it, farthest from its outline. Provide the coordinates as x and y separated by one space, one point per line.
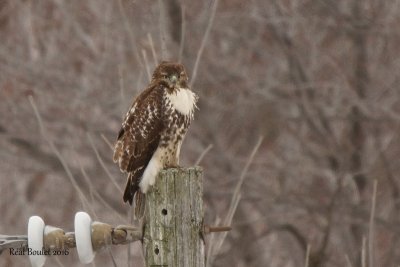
153 130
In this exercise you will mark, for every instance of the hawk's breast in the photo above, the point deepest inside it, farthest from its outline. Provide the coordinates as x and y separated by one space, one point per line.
178 107
183 100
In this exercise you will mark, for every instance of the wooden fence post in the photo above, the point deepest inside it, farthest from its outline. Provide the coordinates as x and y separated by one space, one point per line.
173 221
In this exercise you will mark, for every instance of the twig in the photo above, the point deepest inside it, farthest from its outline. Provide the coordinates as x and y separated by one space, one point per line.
94 193
235 200
371 257
215 229
221 238
244 172
183 29
203 42
57 259
307 260
348 261
211 246
146 63
32 40
205 151
139 79
107 141
112 257
88 182
105 203
58 154
102 164
130 32
70 18
153 51
121 85
363 253
162 25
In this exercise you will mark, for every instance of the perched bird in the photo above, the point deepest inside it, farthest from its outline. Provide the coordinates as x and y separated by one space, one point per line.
153 130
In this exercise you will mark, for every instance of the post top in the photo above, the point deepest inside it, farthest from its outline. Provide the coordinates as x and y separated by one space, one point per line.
182 169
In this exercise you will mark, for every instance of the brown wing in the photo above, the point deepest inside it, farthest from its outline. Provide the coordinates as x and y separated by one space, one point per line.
139 137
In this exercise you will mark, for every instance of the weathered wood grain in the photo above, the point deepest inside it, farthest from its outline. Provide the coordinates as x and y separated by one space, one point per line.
174 220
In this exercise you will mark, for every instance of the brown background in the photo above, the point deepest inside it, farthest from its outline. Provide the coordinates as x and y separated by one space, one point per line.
317 79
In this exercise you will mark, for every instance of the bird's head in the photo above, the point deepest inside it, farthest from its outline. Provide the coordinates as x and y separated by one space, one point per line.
173 75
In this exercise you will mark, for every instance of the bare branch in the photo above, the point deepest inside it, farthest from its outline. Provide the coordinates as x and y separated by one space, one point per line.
162 25
129 31
146 63
205 151
94 194
348 261
307 258
364 252
107 142
43 131
103 165
183 29
121 85
235 200
371 232
204 41
153 51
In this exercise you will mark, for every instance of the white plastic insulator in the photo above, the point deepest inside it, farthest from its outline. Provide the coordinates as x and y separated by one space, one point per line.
35 241
83 237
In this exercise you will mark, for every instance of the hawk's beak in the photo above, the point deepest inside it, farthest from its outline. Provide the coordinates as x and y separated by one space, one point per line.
174 79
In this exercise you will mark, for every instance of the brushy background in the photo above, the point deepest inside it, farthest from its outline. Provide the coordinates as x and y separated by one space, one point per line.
318 81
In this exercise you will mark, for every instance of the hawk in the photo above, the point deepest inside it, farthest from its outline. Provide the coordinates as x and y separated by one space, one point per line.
152 132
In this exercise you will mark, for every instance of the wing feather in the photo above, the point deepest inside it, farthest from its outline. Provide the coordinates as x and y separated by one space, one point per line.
139 137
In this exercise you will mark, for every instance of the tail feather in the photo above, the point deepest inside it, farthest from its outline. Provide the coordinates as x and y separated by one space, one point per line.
129 190
132 190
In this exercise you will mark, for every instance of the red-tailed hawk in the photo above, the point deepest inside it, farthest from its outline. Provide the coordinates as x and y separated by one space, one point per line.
153 130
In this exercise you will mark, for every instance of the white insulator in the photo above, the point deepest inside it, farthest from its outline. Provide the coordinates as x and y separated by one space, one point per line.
83 237
35 241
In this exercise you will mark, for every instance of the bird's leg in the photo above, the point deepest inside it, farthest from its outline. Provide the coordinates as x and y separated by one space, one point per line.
173 160
173 164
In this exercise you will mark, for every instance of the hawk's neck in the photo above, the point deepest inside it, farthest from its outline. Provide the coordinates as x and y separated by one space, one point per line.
183 100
